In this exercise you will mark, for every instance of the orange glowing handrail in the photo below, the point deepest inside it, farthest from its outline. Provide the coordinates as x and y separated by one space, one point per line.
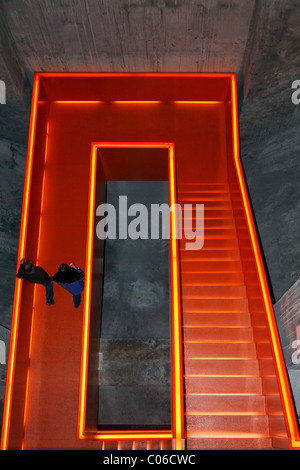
177 368
134 74
137 102
196 102
87 297
78 102
177 381
18 282
284 387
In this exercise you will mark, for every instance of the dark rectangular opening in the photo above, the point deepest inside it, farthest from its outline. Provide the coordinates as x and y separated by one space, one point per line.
135 368
129 374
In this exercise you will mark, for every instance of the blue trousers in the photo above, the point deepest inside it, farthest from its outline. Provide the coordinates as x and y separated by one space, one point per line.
77 300
49 291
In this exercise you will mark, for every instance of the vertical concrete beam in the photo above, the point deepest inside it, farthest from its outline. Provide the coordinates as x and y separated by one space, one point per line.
9 55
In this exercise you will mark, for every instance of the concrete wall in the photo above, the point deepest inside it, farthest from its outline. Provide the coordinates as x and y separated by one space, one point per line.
270 138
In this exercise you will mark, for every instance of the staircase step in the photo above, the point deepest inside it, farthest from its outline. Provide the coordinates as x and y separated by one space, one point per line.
277 426
212 255
139 445
258 319
188 204
281 443
216 319
215 305
267 368
257 424
205 189
217 223
200 197
214 187
227 404
229 367
231 391
212 244
213 292
216 233
220 350
273 405
264 351
270 386
237 441
223 385
110 445
125 445
208 279
261 335
206 266
217 213
209 232
213 334
210 266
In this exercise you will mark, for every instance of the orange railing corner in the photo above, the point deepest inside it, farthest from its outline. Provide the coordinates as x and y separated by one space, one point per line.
18 282
177 433
279 363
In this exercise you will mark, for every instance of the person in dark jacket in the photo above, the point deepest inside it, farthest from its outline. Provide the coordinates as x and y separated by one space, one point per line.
71 278
36 275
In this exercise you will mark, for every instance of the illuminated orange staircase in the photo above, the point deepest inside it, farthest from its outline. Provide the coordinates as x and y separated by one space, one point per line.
231 395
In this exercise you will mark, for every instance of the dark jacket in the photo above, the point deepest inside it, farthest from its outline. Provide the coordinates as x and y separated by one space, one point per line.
37 276
73 281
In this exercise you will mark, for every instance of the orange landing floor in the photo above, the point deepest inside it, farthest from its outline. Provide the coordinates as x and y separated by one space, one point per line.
198 113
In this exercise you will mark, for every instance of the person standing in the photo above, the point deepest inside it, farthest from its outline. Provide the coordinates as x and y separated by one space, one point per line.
36 275
71 278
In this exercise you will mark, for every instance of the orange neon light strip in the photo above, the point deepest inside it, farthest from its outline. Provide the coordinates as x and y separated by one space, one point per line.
177 432
134 74
135 102
18 283
87 297
78 102
285 392
177 368
113 102
34 294
196 102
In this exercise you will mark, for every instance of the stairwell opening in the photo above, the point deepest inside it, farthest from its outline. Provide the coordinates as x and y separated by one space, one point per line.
130 379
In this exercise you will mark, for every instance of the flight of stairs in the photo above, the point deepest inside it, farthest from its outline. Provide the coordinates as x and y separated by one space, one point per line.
231 394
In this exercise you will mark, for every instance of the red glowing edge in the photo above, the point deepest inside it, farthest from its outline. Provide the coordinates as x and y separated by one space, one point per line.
177 432
284 387
283 381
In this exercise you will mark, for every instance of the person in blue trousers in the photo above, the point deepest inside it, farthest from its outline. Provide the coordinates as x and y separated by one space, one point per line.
71 278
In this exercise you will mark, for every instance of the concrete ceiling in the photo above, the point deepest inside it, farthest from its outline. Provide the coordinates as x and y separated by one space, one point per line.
134 36
115 36
126 35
